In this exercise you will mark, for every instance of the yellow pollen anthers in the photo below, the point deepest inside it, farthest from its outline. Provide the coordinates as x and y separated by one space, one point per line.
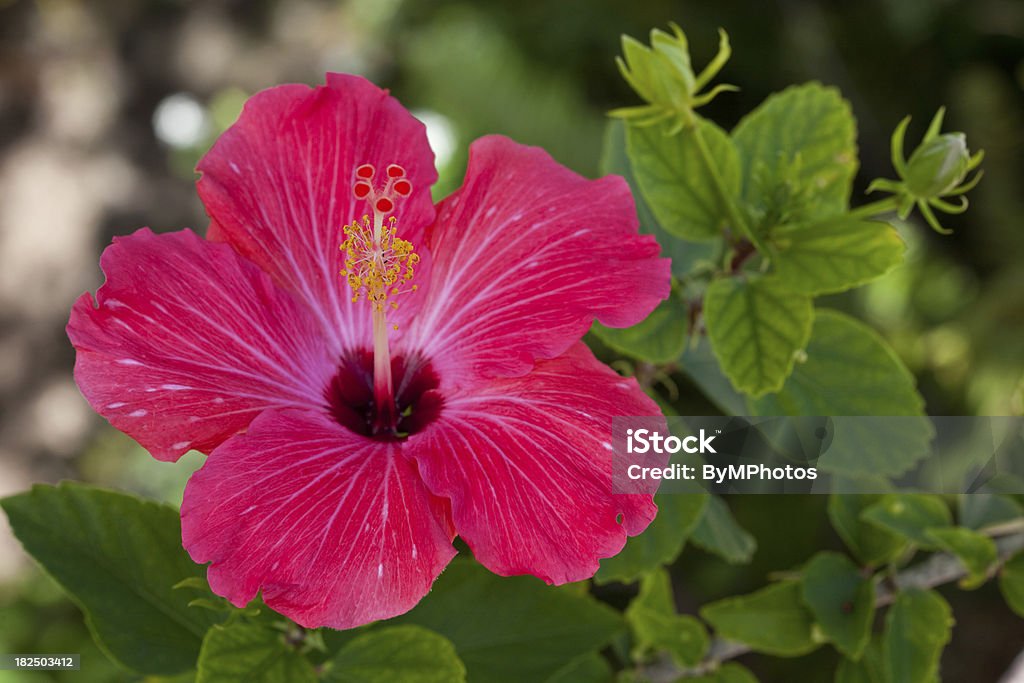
378 268
378 265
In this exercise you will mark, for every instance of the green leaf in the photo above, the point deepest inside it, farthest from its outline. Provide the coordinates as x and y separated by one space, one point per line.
686 255
799 154
850 371
675 182
917 627
833 255
511 629
772 620
658 338
975 551
701 366
727 673
590 668
871 545
251 653
980 511
1011 583
756 327
397 654
842 601
119 558
660 543
719 533
657 627
911 515
869 669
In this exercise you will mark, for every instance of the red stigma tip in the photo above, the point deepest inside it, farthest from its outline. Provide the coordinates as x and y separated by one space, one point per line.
361 189
384 205
395 171
403 187
365 171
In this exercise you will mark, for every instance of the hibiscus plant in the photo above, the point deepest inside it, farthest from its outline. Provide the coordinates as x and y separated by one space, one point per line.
408 441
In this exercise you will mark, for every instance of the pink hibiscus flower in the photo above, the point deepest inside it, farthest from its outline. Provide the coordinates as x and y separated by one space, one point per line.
362 406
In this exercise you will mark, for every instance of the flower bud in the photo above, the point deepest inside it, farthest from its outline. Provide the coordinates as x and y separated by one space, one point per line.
938 166
662 75
936 172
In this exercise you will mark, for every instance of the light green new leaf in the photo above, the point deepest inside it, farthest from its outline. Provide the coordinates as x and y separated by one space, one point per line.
833 255
657 627
727 673
772 620
975 551
251 653
675 182
851 371
911 515
686 255
119 557
398 654
917 627
799 154
658 338
660 544
719 533
508 630
842 601
871 545
1011 583
756 327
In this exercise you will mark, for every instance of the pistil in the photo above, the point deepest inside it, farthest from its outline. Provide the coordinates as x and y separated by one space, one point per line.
383 388
378 267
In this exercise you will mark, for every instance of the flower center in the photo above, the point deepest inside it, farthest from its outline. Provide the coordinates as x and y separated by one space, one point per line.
352 401
378 267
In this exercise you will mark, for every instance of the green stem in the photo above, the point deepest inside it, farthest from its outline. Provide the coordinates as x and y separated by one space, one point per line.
726 199
887 205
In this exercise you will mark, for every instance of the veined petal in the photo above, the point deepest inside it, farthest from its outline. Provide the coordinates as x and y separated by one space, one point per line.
526 255
527 465
187 342
278 187
335 529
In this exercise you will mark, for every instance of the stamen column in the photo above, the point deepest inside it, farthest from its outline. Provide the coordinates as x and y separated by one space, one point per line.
377 264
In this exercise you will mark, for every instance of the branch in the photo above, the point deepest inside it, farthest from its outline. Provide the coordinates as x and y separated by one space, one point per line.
937 570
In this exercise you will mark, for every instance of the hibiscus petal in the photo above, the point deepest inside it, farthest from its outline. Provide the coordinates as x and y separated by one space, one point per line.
278 188
336 529
527 465
526 255
190 341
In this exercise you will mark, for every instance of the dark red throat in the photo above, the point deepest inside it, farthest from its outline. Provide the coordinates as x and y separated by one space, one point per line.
417 401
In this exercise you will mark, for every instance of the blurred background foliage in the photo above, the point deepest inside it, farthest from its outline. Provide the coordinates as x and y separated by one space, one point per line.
106 105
